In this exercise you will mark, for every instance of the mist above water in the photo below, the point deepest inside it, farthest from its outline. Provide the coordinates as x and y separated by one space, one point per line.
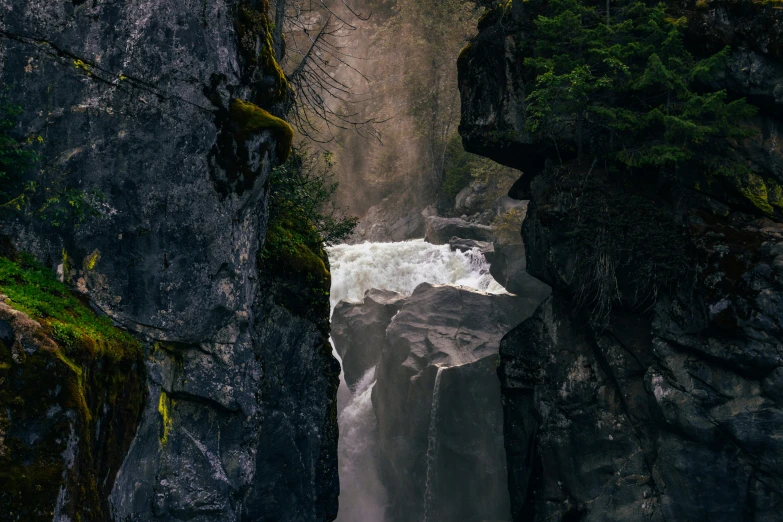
362 495
400 267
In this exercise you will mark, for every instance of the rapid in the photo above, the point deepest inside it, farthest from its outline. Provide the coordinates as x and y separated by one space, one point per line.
399 267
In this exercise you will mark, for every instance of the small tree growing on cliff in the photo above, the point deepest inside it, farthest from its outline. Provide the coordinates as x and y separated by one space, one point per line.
301 198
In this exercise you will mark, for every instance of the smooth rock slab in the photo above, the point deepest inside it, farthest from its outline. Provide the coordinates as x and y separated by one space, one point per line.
440 230
459 330
359 331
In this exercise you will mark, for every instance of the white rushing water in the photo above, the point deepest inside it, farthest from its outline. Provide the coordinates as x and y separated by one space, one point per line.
400 267
362 495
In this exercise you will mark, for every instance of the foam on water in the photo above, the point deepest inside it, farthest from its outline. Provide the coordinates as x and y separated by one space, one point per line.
402 267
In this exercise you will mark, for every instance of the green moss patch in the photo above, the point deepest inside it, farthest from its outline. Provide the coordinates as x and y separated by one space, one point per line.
296 267
251 119
763 194
165 404
34 290
252 27
70 384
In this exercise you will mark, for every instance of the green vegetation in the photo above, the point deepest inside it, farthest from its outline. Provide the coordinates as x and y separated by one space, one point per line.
508 226
252 26
302 218
16 158
34 290
98 372
460 168
250 119
626 90
301 192
457 167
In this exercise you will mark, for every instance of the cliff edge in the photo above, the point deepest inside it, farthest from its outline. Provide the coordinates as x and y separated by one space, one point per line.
173 113
648 386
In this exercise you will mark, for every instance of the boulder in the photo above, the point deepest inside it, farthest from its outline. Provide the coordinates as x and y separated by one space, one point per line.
506 203
461 198
437 403
463 245
359 331
439 230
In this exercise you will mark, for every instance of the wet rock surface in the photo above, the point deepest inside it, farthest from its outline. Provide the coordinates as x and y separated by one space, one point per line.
441 444
132 99
359 331
667 411
440 230
486 248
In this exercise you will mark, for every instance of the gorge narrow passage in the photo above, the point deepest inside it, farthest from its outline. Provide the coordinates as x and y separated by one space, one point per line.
358 273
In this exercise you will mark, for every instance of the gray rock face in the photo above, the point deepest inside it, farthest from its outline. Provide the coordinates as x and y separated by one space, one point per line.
653 402
486 248
461 198
359 331
670 411
509 268
131 99
436 401
440 230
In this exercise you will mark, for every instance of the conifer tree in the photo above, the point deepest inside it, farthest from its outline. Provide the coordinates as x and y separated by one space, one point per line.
623 87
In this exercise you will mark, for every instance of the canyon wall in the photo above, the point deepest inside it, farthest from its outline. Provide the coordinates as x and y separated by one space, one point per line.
171 110
671 410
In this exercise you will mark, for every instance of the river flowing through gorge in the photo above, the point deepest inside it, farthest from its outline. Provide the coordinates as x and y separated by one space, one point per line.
395 268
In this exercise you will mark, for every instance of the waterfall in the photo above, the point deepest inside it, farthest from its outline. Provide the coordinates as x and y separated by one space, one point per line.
432 444
362 495
400 267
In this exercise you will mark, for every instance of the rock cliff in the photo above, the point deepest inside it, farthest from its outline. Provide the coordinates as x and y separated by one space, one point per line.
667 406
172 111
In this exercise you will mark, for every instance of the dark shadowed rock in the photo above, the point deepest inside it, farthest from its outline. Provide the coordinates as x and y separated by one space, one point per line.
440 230
486 248
509 268
457 330
359 331
669 406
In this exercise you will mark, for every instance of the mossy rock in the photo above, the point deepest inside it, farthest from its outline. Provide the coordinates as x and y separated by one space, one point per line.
251 119
71 396
764 194
257 49
297 268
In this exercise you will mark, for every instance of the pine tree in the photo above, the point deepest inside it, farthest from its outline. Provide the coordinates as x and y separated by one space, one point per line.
623 86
